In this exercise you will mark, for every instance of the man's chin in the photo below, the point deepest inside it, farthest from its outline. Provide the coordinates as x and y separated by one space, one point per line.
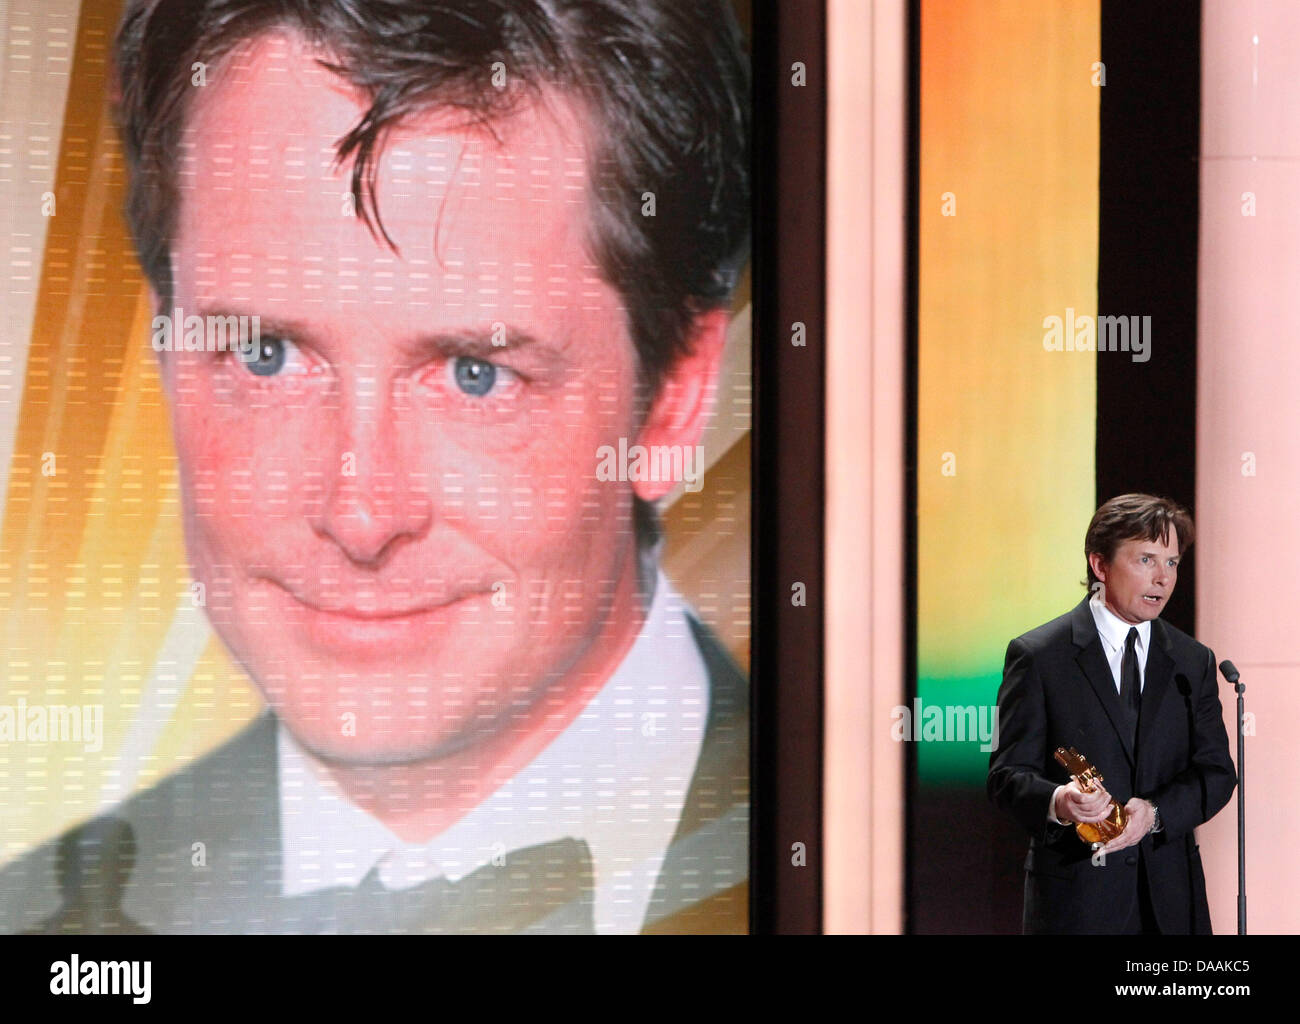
398 746
377 737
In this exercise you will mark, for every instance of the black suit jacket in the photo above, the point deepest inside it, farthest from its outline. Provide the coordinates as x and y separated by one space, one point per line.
134 870
1058 691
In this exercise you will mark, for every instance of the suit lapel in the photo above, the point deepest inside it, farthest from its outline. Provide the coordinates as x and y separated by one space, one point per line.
702 885
1092 662
229 803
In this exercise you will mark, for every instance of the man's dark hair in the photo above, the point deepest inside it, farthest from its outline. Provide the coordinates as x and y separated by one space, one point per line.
664 85
1135 517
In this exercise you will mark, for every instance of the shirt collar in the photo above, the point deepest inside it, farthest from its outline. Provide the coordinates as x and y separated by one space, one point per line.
1113 629
617 777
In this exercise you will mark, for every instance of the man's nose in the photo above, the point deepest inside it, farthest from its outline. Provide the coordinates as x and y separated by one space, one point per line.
372 497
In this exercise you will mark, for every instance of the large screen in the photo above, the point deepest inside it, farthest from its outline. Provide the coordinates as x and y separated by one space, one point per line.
375 425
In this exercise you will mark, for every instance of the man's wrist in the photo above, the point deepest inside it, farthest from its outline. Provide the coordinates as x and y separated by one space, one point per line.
1156 824
1053 814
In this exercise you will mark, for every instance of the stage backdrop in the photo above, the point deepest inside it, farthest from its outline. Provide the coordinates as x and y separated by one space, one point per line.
1008 207
1005 433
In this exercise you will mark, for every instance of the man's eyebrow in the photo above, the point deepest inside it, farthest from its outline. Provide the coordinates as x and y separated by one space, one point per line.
478 343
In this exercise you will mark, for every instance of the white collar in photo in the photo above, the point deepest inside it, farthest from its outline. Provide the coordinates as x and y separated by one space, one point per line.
617 777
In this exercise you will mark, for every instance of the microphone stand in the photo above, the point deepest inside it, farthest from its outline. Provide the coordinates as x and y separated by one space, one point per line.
1231 674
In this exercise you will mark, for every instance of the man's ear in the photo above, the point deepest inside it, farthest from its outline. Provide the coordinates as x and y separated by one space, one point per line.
1098 566
681 409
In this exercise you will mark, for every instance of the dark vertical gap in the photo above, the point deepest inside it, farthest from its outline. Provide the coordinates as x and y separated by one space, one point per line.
1148 229
912 413
789 465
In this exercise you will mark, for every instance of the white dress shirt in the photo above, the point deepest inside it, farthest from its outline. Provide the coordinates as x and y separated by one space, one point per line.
617 777
1114 638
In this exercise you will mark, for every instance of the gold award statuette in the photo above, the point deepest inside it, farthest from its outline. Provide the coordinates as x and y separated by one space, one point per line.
1085 775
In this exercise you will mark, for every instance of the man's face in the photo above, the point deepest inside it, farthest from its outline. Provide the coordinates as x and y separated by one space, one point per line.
1140 578
396 517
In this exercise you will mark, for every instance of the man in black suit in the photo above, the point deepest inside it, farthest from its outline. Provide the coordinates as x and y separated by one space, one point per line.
472 250
1139 699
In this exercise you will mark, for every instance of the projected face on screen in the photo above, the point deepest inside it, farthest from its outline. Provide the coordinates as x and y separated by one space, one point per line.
387 542
393 502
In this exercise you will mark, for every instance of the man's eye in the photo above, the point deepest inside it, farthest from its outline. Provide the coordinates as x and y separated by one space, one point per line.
268 356
477 377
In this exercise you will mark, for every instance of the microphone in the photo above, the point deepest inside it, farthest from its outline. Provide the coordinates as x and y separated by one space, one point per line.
1229 671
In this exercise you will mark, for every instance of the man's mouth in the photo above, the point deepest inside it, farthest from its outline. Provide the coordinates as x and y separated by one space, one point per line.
372 604
381 629
1153 598
374 614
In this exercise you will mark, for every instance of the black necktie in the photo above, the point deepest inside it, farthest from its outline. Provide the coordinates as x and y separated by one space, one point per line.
1130 683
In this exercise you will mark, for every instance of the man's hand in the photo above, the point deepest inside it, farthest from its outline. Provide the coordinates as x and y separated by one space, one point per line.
1073 804
1141 816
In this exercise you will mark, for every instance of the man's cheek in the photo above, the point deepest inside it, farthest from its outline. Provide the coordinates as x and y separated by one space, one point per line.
567 503
235 488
